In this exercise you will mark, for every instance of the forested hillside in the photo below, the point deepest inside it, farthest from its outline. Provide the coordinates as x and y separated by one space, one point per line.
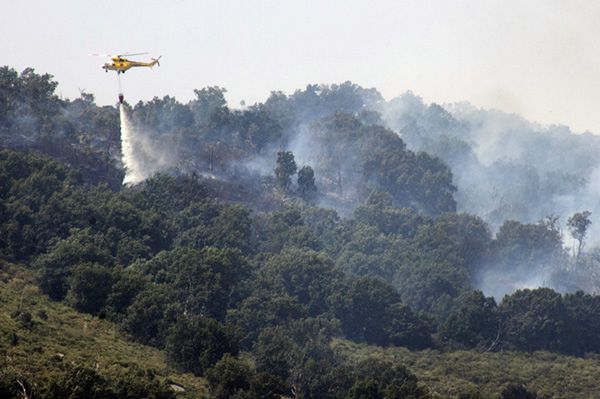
273 231
51 350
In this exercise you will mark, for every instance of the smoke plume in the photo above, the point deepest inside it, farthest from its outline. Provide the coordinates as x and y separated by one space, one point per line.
143 156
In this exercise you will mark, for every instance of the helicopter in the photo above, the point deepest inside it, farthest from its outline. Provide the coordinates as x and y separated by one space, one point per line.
121 64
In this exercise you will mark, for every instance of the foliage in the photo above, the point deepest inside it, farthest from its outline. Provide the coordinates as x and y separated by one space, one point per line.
578 225
286 167
370 310
536 319
149 316
233 378
451 373
226 253
89 287
383 379
307 189
60 343
517 392
196 343
474 322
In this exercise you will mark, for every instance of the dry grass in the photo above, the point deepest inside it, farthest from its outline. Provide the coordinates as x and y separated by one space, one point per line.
83 339
450 373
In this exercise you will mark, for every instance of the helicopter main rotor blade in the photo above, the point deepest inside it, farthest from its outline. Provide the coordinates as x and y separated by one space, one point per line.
130 54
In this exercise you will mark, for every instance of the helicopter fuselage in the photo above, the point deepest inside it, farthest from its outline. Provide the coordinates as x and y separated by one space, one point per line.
122 64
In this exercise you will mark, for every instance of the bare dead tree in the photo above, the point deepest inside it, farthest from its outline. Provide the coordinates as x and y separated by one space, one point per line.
23 392
496 341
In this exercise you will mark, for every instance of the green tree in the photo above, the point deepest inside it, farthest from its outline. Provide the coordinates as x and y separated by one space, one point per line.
274 352
262 309
90 286
200 281
578 225
126 287
82 246
284 228
408 328
337 138
464 238
585 326
536 319
150 316
378 211
259 127
522 248
231 228
286 167
233 378
267 386
228 376
375 378
196 343
419 181
9 95
168 194
208 101
210 223
473 321
79 383
315 378
303 274
362 306
85 383
307 189
163 115
514 391
367 388
139 383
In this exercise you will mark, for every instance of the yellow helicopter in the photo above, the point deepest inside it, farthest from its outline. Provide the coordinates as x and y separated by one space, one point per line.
121 64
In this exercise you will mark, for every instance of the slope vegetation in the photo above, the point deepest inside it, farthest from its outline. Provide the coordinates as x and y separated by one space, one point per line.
448 374
41 339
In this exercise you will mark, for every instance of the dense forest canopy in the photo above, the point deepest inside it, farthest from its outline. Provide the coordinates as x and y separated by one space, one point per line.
326 213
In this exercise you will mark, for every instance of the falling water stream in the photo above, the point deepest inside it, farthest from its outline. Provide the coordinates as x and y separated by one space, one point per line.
134 172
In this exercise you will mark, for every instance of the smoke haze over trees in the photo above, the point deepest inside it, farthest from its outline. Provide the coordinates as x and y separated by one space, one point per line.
429 158
328 212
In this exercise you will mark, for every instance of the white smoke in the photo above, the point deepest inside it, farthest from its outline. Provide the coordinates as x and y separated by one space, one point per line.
497 282
143 155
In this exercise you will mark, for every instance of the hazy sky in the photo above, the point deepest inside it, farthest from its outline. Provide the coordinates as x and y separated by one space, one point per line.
537 58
